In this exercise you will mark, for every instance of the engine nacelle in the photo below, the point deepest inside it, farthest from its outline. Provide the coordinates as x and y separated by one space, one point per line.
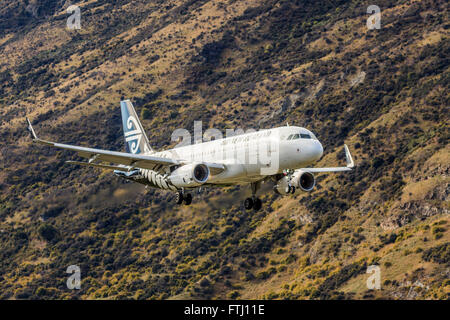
303 180
190 175
282 186
300 180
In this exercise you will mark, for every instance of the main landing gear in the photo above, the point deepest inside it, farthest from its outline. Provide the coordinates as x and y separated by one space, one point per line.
181 197
253 202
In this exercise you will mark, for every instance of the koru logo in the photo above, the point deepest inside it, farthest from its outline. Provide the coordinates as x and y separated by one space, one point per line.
134 135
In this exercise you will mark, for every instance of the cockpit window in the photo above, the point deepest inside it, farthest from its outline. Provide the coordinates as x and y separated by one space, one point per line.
300 136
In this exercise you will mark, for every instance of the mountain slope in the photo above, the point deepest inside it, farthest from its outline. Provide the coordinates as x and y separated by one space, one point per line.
232 64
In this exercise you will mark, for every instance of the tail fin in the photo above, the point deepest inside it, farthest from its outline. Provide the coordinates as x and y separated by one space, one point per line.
136 140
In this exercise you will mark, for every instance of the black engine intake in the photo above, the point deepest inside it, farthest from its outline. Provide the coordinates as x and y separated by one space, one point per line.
304 180
201 173
190 175
307 181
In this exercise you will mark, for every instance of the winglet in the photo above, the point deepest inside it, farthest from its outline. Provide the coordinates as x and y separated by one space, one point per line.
34 136
348 157
30 128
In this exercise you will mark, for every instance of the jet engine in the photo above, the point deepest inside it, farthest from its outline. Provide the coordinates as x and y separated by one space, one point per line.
299 179
303 180
283 186
189 175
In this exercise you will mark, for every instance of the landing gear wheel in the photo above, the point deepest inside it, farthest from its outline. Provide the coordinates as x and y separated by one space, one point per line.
187 199
292 189
288 189
248 203
257 204
179 198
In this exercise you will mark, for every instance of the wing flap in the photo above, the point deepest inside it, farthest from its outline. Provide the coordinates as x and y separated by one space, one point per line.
99 165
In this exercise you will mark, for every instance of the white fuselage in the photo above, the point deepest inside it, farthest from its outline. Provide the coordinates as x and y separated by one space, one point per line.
252 156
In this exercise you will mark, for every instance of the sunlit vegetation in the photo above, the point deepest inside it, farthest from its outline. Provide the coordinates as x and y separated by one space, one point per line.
232 64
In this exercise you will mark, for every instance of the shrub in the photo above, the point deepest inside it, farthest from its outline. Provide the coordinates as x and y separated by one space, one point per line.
48 232
146 114
439 254
333 282
437 230
205 282
248 276
41 291
387 239
234 294
291 258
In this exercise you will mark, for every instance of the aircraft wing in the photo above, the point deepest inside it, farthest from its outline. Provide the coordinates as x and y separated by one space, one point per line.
349 167
125 161
101 165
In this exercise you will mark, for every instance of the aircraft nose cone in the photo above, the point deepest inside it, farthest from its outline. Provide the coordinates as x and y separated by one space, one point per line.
318 150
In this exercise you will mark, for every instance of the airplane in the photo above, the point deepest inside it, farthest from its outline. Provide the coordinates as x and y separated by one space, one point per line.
279 154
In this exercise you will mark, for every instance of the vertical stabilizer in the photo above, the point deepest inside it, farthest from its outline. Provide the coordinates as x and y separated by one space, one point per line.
136 140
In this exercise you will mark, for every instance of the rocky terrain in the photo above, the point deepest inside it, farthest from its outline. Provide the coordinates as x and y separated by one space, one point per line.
231 64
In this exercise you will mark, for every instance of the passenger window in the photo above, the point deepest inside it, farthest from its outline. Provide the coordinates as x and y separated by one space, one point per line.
305 136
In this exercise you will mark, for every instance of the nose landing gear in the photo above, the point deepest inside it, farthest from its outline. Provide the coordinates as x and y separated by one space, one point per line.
290 189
